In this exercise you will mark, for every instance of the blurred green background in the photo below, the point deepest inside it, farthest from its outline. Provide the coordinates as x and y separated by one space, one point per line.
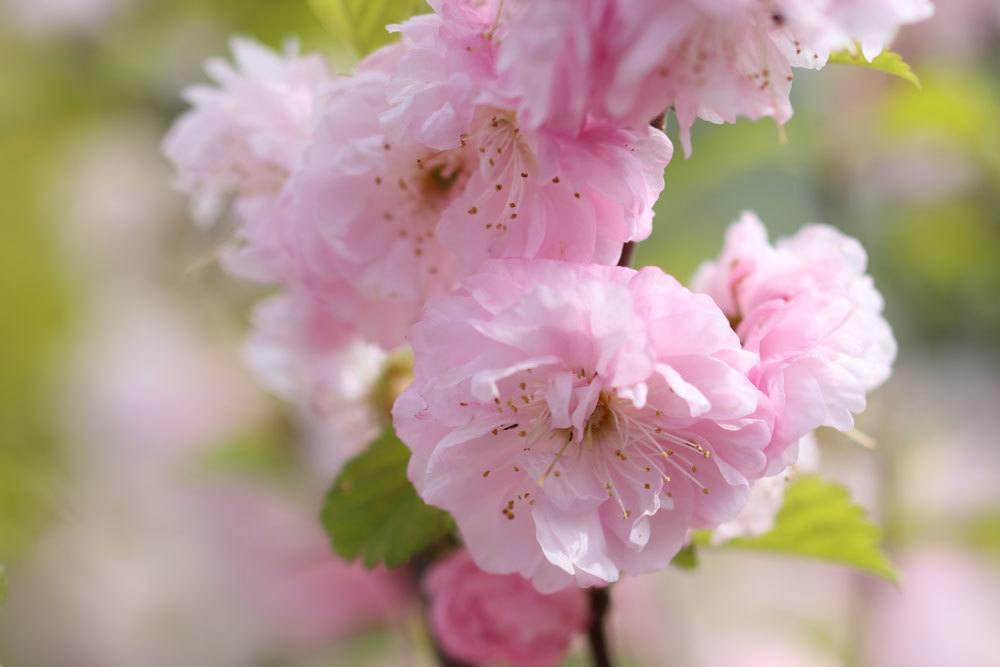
914 173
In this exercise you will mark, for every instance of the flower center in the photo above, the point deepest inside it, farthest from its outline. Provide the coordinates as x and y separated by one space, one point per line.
436 177
601 419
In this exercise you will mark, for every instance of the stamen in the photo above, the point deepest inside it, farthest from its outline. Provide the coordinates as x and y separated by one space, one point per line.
552 465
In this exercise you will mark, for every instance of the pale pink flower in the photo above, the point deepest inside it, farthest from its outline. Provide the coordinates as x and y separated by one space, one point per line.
535 194
810 310
767 495
365 213
874 23
419 173
293 341
488 618
304 354
261 250
630 60
447 94
243 136
577 420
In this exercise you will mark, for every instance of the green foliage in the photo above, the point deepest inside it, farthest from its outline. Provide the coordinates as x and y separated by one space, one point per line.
361 23
982 533
36 298
373 511
686 558
955 107
818 520
888 62
253 454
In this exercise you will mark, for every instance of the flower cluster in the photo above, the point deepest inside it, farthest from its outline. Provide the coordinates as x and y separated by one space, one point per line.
469 189
628 60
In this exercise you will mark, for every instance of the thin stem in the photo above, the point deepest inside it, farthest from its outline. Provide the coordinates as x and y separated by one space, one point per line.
418 568
600 603
626 256
629 248
444 660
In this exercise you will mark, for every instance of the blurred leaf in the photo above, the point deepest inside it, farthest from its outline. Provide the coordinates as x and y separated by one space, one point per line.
3 584
686 558
982 532
956 107
373 511
361 23
252 454
36 298
819 520
889 62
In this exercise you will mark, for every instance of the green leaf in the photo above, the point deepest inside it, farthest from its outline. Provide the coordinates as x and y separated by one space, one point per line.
889 62
818 520
361 23
686 558
373 511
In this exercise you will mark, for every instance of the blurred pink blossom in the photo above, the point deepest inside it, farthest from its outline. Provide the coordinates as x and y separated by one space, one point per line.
709 59
304 594
244 136
488 618
300 351
151 387
946 613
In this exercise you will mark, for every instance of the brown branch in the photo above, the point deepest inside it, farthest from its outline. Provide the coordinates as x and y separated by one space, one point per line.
418 568
597 638
626 256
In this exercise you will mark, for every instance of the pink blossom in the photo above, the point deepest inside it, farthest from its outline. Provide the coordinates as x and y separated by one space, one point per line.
261 250
630 60
507 205
808 308
874 24
365 213
541 195
577 420
420 172
767 495
488 618
302 352
243 137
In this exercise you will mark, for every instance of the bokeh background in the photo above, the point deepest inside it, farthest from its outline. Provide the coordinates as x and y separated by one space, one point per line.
157 509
